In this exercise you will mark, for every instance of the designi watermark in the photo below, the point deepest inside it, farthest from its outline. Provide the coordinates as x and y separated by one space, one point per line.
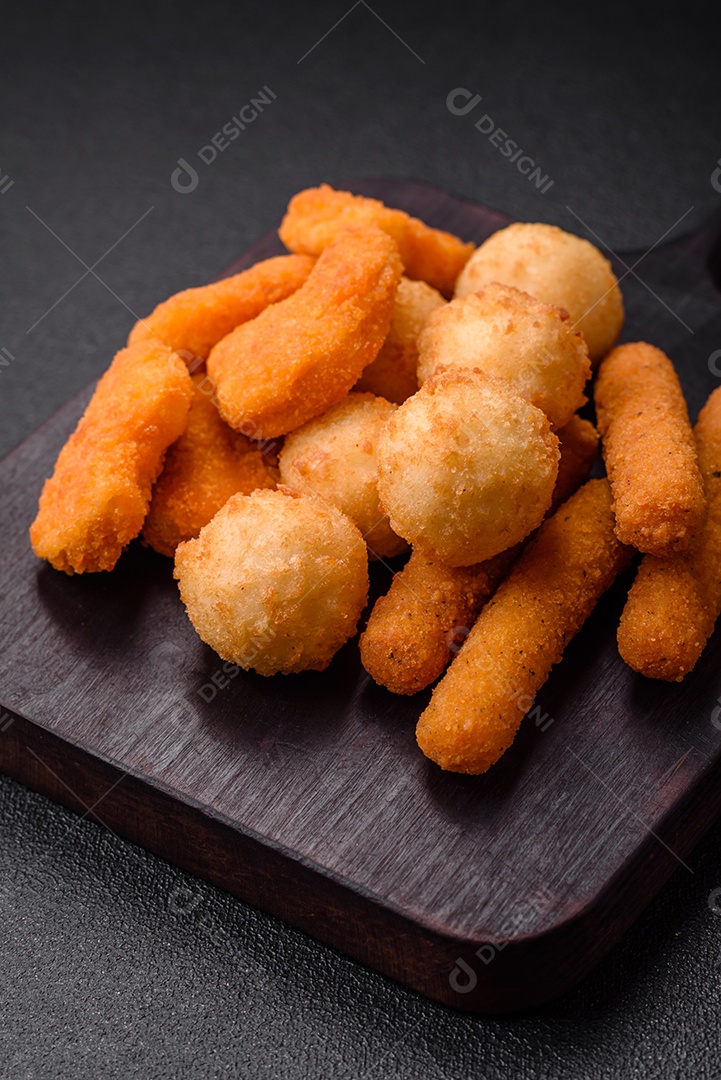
6 721
185 179
461 102
464 978
5 183
716 177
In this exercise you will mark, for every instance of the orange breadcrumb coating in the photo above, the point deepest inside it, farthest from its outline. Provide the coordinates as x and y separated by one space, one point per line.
194 320
674 603
414 630
209 463
478 705
305 353
97 498
316 215
393 373
649 450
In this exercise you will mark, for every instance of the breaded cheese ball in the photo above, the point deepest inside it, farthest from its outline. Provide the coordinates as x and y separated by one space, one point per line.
505 332
466 467
334 457
276 582
392 374
557 268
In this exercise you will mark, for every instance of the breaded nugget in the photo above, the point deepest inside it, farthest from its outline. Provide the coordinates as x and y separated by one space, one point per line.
478 705
305 353
505 332
466 467
649 451
194 320
392 374
275 582
208 463
97 498
415 629
316 215
674 603
557 268
334 457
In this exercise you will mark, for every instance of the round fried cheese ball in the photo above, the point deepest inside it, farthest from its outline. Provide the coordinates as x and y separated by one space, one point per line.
505 332
392 374
466 467
557 268
275 582
334 457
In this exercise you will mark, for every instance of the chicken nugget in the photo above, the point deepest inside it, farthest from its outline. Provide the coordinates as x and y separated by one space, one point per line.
416 628
478 705
194 320
304 354
275 582
674 603
392 374
97 498
334 457
557 268
649 450
466 467
505 332
316 215
208 463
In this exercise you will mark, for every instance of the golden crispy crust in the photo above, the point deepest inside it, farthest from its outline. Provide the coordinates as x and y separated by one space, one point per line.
194 320
466 467
674 603
415 629
334 457
508 334
97 498
304 354
316 215
649 450
557 268
275 582
208 463
392 374
478 705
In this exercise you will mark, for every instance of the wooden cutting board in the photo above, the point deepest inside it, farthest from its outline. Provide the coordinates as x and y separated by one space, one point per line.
307 795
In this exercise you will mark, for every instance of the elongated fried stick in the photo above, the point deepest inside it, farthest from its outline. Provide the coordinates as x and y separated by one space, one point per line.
478 705
97 498
649 450
674 603
194 320
414 630
316 215
304 354
208 463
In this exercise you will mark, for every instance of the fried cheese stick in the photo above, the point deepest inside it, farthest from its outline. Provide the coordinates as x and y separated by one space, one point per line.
304 354
649 450
415 629
478 705
674 603
316 215
194 320
97 498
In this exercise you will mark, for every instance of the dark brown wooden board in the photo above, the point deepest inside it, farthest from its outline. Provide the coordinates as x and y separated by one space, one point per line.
307 795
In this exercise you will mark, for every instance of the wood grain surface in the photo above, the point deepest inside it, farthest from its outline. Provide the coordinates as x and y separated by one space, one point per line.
307 795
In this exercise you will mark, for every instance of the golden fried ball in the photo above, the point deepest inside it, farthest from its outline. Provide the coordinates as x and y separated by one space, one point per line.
334 457
466 467
557 268
503 331
275 582
392 374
